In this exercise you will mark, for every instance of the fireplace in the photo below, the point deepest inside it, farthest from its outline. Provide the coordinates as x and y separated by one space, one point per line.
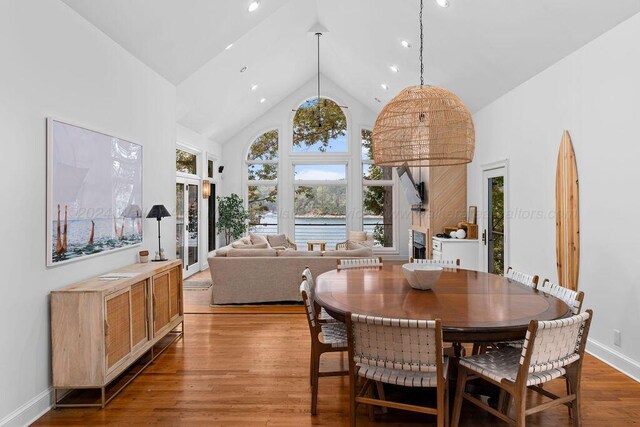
419 245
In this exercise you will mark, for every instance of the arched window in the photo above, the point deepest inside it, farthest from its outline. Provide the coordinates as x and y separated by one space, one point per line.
320 126
262 190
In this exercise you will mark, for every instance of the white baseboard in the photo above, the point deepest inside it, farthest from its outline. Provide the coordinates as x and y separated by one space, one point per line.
30 411
615 359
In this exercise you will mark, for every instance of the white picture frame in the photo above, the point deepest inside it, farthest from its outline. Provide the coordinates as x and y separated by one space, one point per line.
94 193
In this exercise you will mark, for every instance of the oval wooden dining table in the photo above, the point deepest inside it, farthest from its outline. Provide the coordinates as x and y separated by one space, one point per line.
473 306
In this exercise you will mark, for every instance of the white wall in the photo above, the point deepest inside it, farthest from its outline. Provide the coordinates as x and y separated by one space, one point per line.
280 117
594 94
54 63
206 147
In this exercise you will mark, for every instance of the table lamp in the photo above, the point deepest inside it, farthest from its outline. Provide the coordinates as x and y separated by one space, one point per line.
158 212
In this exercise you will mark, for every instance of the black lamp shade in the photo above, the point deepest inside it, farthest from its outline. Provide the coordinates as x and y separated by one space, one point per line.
158 211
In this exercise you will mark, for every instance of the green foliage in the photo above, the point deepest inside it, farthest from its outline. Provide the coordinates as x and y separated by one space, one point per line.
317 124
497 224
262 199
321 200
186 162
232 217
265 147
377 200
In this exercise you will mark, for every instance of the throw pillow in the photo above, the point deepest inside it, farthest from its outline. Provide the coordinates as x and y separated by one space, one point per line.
357 236
257 239
278 240
355 245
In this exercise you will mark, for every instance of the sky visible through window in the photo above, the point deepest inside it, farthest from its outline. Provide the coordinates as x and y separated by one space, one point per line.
320 172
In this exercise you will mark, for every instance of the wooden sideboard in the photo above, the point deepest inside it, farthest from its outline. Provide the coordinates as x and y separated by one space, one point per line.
106 330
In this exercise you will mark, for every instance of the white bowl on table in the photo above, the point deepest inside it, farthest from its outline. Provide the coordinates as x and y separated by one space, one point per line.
420 276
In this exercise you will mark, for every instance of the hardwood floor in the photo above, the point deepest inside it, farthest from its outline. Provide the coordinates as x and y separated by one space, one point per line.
253 369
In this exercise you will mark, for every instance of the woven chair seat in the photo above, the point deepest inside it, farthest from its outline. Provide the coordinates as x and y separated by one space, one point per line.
400 377
503 364
514 344
334 334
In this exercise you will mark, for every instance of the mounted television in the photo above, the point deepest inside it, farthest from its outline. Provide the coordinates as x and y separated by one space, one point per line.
413 192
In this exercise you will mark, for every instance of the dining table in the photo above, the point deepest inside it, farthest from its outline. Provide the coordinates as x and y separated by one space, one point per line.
473 306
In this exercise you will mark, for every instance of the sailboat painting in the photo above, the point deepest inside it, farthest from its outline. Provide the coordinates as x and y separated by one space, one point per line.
94 193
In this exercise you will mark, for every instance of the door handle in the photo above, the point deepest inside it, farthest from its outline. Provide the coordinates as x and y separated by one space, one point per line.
484 237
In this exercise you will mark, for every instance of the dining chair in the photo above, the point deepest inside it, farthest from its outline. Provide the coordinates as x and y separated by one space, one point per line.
552 349
325 338
520 277
348 263
323 316
524 278
572 298
449 263
402 352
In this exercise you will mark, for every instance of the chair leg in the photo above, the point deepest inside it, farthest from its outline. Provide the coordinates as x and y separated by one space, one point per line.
519 398
573 384
457 404
352 400
314 385
380 388
446 404
311 368
568 384
441 408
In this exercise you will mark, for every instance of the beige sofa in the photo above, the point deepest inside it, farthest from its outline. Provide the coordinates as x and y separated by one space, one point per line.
243 276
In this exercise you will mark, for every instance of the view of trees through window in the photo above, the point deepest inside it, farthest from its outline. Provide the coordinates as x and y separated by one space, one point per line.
319 126
262 167
377 195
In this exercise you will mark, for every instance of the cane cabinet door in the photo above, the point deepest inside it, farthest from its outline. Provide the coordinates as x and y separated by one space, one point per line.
175 288
117 327
139 318
161 301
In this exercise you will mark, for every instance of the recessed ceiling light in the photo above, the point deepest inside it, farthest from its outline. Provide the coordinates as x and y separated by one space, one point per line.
394 68
254 5
229 46
243 69
384 86
443 3
405 43
377 99
263 100
254 87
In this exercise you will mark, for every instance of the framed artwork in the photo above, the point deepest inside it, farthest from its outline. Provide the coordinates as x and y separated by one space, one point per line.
94 193
472 216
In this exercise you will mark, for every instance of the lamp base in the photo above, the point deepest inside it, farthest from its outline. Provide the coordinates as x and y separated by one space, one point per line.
158 260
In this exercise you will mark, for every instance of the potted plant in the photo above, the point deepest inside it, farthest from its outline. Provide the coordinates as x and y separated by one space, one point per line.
232 217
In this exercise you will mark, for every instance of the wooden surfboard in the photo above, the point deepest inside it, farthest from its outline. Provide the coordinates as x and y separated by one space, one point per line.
567 215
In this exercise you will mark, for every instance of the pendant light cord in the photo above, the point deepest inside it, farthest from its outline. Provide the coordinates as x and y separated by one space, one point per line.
318 34
421 46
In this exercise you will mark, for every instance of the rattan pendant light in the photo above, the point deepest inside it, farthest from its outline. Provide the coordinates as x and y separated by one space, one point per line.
423 126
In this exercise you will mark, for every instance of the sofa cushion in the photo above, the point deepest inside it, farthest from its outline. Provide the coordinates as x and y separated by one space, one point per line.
258 239
357 236
353 253
294 253
233 252
278 240
240 245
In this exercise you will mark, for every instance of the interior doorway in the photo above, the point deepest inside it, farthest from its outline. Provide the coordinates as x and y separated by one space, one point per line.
187 228
495 252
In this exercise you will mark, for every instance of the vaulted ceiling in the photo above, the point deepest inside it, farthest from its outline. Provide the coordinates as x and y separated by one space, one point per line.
480 49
